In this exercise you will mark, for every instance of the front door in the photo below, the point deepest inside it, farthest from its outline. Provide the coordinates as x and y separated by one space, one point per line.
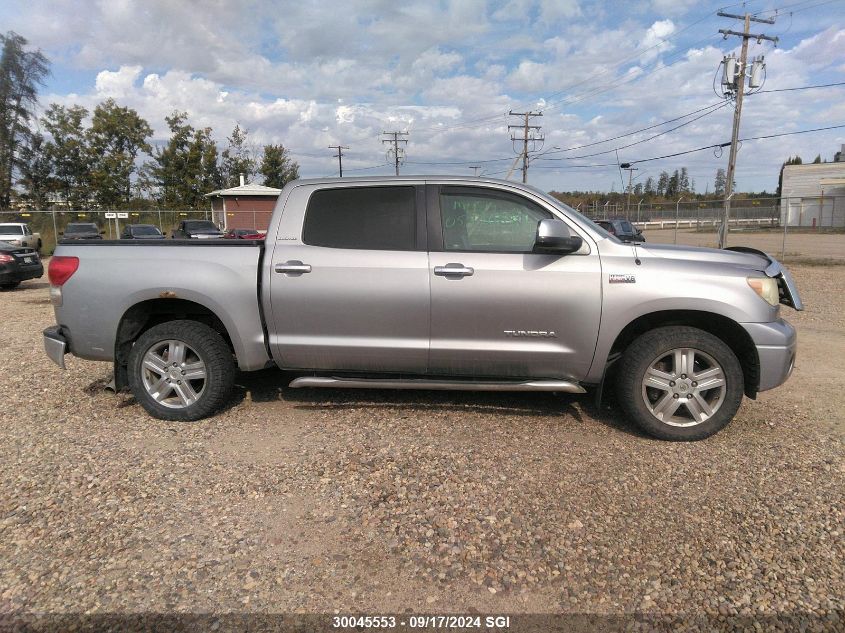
497 308
349 286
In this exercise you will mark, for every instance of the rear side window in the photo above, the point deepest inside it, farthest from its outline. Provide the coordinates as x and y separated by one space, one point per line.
626 226
365 218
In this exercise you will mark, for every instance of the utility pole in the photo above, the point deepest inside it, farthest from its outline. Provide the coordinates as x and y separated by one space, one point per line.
630 169
397 152
474 169
739 87
339 155
525 138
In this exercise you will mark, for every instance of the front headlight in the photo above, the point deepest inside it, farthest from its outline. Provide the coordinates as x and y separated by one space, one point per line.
767 288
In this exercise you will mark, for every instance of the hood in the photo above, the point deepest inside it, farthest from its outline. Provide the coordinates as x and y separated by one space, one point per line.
755 260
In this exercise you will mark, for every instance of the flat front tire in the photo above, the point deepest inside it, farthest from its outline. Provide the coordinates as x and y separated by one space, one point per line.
181 370
680 383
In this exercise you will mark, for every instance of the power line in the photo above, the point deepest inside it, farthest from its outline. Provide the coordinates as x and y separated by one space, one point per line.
645 140
644 129
742 140
838 83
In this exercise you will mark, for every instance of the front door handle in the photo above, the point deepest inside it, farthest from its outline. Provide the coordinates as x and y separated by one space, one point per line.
295 267
453 270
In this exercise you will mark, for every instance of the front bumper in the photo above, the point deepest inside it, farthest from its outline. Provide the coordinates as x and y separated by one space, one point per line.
56 345
776 344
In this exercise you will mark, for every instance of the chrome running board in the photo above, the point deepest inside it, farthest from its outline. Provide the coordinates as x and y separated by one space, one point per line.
447 385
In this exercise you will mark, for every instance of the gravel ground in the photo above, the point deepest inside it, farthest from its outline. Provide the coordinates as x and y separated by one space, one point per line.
377 502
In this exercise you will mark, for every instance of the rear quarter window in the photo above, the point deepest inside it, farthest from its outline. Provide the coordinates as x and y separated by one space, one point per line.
363 218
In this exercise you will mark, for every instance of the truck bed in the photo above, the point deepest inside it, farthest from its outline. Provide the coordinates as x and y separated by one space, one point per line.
221 276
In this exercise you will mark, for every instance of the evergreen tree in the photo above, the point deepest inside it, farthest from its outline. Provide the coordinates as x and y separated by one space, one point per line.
237 159
115 138
21 73
67 151
672 185
719 183
277 167
817 159
662 183
649 187
683 181
35 170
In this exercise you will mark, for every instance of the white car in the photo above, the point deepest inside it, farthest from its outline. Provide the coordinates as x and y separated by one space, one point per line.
20 234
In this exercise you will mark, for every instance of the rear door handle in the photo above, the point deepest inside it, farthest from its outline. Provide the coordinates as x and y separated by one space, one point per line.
295 267
453 270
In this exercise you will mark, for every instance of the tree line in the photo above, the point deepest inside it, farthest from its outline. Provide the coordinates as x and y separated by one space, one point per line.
83 159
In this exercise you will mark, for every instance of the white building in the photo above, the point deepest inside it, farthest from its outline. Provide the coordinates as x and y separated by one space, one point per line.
814 194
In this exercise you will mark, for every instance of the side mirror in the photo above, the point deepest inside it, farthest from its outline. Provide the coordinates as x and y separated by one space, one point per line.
554 236
102 232
61 232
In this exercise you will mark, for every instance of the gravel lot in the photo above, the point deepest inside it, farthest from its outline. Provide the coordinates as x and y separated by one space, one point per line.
375 502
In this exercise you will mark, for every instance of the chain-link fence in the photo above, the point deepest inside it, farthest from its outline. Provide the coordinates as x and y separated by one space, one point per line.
51 224
787 227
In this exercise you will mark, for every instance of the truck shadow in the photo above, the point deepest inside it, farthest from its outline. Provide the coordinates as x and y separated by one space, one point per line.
271 385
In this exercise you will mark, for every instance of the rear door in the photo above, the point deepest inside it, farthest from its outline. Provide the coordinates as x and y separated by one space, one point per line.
349 284
497 308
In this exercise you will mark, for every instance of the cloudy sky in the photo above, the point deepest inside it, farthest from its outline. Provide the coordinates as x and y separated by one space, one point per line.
312 74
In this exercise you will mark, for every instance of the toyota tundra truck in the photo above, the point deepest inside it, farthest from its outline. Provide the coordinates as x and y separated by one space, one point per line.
430 283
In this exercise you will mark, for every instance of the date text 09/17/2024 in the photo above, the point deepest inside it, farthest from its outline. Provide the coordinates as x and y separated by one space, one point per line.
422 622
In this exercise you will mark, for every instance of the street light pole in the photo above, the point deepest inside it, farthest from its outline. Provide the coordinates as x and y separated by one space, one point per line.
677 214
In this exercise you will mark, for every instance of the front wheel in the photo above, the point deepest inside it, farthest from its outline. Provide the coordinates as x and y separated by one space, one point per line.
181 370
680 383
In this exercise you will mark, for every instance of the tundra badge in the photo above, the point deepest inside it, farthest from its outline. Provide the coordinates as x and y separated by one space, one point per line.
619 278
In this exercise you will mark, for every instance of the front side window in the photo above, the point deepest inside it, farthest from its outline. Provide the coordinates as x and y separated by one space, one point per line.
489 221
365 218
11 229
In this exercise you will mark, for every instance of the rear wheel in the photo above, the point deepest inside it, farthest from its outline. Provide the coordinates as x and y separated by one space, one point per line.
181 370
10 286
680 383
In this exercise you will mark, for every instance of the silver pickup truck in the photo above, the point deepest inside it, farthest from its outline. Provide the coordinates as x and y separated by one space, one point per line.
430 283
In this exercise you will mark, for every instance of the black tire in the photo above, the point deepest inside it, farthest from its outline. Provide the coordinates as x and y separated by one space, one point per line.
208 345
637 360
10 286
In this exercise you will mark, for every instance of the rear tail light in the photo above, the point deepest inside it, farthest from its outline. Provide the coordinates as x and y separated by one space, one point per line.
61 269
5 259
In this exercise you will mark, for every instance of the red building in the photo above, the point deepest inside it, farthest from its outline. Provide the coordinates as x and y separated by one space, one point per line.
248 206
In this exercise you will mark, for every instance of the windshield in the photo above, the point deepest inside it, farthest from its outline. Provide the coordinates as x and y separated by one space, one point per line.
11 229
200 225
81 228
145 230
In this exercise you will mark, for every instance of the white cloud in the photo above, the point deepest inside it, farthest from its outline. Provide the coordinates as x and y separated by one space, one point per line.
309 75
655 39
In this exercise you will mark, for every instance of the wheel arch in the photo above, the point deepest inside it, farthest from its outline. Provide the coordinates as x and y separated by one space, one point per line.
143 315
720 326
